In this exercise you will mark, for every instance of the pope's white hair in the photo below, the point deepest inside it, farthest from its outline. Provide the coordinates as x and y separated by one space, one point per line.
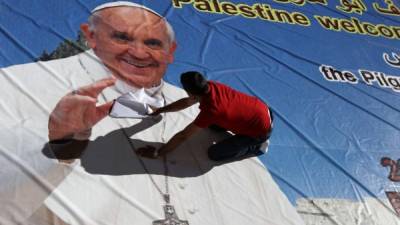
95 16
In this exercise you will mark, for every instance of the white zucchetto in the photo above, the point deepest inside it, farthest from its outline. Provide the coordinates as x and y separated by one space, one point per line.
123 3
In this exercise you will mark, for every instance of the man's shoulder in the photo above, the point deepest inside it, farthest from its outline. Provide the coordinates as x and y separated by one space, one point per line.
218 85
231 91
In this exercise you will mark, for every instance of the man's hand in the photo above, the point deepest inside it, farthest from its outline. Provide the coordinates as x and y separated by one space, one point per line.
148 152
182 103
77 112
155 111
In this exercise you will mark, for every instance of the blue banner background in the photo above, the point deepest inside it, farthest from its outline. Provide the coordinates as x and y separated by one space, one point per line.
328 136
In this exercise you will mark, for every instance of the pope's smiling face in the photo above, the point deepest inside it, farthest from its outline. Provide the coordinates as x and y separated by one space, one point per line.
133 43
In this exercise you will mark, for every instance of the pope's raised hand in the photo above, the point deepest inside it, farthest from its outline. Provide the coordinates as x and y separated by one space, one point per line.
77 111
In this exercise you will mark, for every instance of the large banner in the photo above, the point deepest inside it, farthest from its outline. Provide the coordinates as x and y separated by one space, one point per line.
328 69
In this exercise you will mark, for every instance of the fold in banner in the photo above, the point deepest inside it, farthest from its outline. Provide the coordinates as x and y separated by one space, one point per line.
135 105
123 108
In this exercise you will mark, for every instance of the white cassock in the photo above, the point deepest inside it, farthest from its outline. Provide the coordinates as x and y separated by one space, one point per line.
108 184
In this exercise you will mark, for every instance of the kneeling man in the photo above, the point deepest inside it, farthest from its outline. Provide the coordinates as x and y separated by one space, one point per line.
221 108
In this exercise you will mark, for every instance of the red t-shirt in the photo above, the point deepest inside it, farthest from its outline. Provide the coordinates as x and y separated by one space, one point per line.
235 111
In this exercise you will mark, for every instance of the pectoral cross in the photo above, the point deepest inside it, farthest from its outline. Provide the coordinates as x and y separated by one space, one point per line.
170 217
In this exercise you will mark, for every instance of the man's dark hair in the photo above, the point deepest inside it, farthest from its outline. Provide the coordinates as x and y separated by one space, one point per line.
194 83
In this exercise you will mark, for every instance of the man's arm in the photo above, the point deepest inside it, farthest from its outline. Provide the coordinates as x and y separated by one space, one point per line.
172 144
177 106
